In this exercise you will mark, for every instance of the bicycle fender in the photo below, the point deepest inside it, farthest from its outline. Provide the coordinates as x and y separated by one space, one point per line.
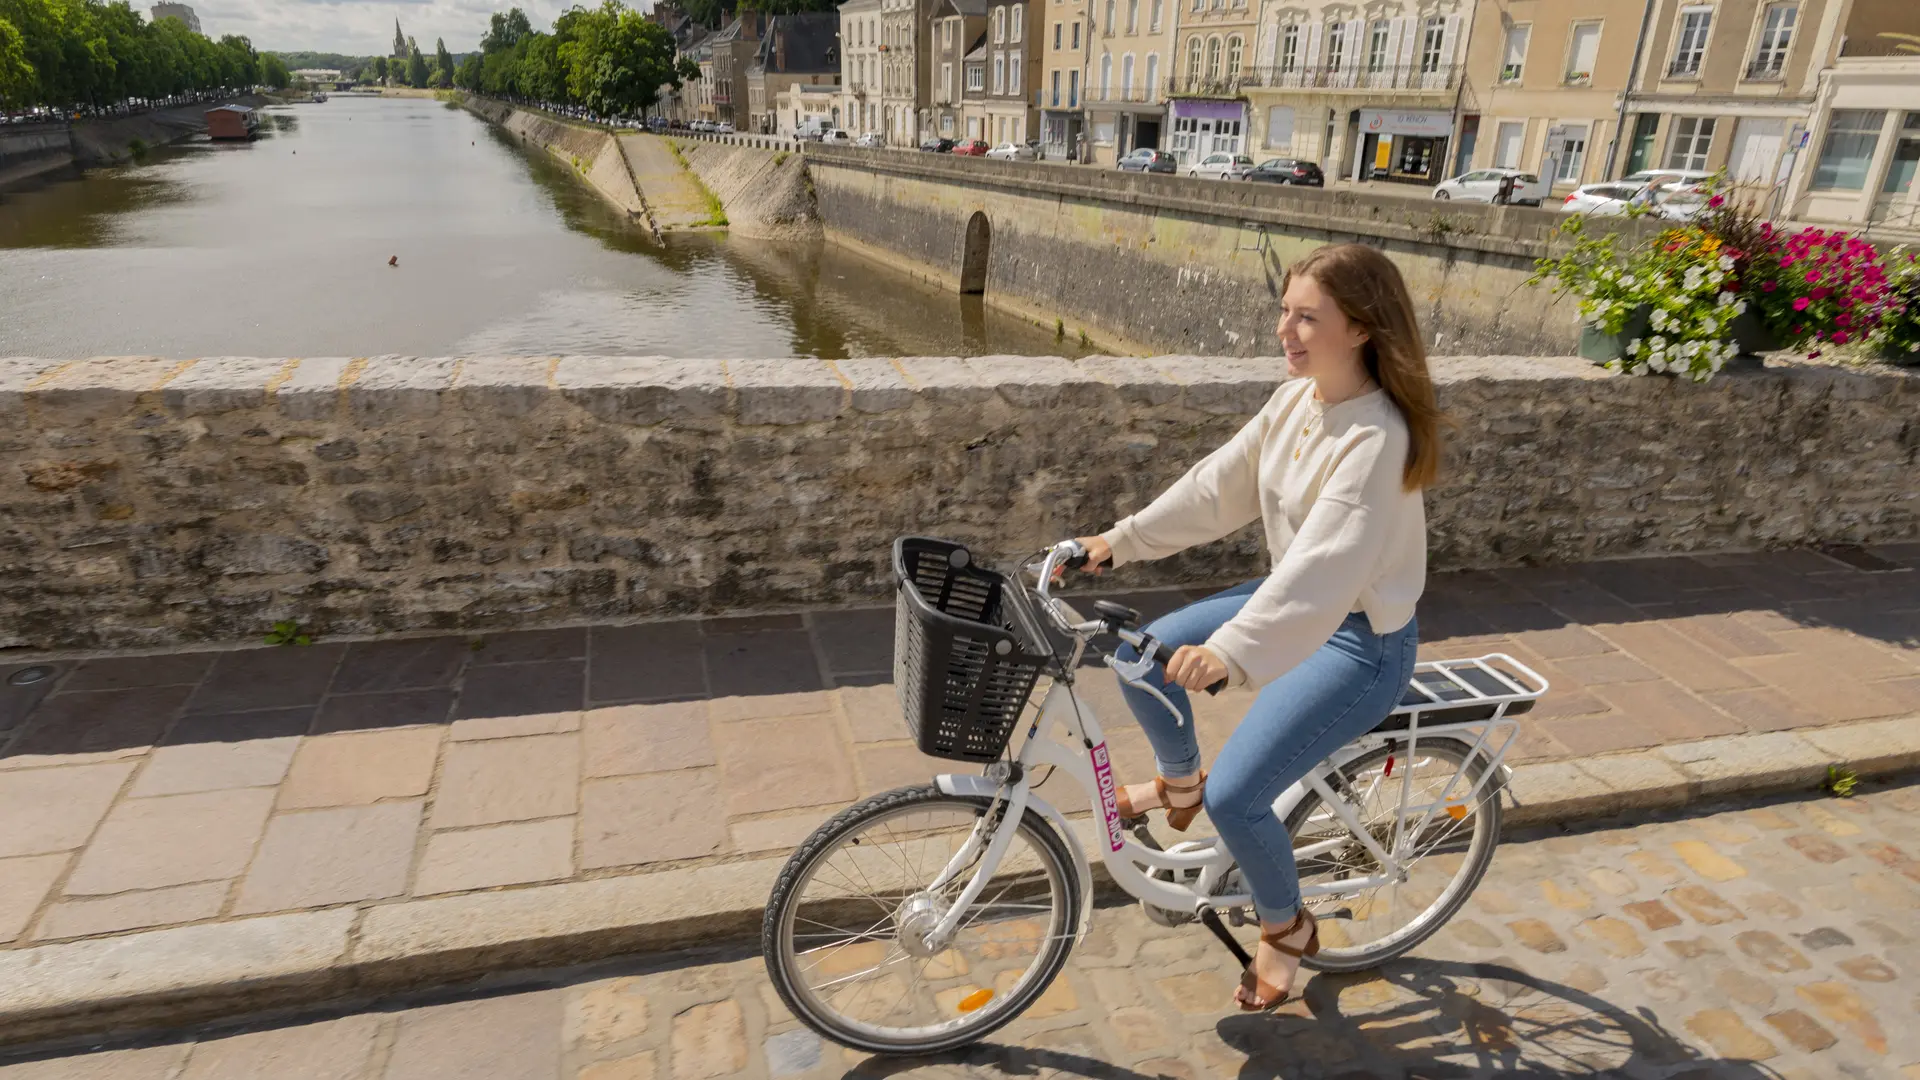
1283 806
970 785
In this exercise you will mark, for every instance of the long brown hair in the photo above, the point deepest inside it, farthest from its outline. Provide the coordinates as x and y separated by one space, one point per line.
1372 295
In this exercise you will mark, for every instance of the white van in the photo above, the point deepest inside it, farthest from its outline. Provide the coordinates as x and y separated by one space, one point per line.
813 128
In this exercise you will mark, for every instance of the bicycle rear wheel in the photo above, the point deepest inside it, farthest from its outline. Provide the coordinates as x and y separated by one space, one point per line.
1446 850
844 929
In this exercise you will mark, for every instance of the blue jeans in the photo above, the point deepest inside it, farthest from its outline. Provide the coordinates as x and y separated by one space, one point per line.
1336 695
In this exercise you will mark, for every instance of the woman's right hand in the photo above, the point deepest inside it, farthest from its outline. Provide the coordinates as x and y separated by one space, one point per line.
1099 554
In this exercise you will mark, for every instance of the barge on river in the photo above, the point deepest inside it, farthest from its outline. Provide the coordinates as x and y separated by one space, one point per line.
232 123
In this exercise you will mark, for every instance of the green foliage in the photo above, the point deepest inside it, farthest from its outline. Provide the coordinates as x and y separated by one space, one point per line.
1898 335
610 59
417 72
1841 781
90 52
288 632
274 73
380 69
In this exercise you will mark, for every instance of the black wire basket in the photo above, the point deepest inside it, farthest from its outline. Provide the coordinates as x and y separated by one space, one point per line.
967 650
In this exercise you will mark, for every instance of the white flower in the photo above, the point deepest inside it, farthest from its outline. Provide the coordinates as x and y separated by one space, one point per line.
1726 262
1659 318
1716 278
1659 343
1726 300
1633 347
1739 307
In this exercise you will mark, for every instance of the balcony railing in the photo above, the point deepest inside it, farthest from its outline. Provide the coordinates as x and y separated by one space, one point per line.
1767 68
1122 95
1684 67
1409 78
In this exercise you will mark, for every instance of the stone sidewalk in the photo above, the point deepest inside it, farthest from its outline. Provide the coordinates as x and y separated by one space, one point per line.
139 792
1772 941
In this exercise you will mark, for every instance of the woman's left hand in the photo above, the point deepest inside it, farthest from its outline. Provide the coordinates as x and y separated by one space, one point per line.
1195 667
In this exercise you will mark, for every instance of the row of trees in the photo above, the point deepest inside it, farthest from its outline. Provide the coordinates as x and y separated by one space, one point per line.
91 53
610 59
417 70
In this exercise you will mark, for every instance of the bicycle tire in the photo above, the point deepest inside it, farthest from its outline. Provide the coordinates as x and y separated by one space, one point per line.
777 926
1486 836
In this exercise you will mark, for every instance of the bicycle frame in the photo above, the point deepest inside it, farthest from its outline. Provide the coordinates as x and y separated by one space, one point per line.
1084 758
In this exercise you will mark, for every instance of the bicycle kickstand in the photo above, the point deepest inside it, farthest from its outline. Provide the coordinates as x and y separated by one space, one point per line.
1210 916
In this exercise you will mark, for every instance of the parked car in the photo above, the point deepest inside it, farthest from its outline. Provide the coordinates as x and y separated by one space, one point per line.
657 124
871 139
723 128
936 146
1686 176
1007 151
837 136
1222 166
1674 201
1481 185
971 148
1609 199
1148 160
1288 171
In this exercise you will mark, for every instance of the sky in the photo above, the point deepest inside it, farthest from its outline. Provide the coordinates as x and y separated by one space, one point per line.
364 27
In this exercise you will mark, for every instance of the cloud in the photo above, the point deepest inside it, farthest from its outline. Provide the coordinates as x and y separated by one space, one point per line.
362 27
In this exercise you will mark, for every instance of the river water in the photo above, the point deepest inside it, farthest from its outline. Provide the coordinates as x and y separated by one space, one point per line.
280 248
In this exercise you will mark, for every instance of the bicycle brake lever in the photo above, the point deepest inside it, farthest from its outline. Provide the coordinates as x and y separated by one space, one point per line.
1134 673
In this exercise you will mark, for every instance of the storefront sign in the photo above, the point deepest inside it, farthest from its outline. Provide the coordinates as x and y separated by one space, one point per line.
1399 122
1187 109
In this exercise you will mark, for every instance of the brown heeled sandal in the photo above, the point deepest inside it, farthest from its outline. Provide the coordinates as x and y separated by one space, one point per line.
1178 817
1262 996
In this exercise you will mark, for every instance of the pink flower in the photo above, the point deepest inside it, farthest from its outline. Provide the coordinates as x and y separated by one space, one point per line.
1716 202
1800 303
1813 275
1768 287
1786 260
1844 319
1822 292
1839 337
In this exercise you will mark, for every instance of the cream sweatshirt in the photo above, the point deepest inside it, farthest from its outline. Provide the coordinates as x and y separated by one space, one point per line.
1342 532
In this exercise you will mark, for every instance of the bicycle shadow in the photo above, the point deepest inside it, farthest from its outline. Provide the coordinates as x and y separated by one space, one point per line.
1439 1020
998 1060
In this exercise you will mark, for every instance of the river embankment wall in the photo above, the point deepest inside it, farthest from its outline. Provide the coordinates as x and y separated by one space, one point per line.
589 150
28 152
147 502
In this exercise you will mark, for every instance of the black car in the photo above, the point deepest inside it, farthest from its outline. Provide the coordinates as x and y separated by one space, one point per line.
937 145
1149 160
1282 170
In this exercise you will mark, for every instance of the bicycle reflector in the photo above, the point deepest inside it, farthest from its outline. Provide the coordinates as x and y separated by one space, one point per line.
975 1000
1457 811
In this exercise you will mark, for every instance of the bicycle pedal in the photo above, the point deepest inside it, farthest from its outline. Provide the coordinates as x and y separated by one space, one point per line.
1336 913
1134 823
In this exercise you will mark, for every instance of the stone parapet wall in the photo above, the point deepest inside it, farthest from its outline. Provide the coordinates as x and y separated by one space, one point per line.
147 501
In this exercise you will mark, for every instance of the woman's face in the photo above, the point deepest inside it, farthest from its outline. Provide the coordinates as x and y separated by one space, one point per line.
1319 338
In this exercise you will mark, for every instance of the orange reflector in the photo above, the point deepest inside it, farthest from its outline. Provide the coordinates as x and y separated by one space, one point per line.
975 1000
1457 811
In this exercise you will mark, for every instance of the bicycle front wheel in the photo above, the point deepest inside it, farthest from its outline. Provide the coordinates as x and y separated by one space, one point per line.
845 928
1445 840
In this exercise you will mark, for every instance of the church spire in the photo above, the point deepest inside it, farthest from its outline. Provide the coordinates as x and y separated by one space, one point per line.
399 41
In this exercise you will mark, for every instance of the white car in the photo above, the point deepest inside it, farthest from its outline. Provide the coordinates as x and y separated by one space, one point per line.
1482 185
871 139
1685 176
1606 200
1223 166
837 135
723 128
1007 151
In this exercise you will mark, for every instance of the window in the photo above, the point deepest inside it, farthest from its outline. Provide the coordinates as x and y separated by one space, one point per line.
976 78
1198 4
1153 23
1692 138
1015 83
1057 27
1193 60
1571 151
1506 144
1583 47
999 73
1126 76
1076 33
1213 58
1776 37
1109 22
1019 20
999 25
1279 127
1336 46
946 82
1056 90
1290 47
1106 77
1513 59
1377 46
1133 16
1691 45
973 127
1073 89
1153 75
1847 151
1431 41
1236 50
947 32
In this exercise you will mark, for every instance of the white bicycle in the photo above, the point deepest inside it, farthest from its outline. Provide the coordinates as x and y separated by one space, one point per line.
923 918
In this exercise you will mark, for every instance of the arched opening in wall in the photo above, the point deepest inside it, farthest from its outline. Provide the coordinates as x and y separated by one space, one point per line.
973 257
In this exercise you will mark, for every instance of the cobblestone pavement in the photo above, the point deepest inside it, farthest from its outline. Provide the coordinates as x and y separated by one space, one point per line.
1767 940
148 791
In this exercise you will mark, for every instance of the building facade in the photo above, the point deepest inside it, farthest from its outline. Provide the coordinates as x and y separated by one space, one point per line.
906 32
1863 144
183 13
1206 111
1014 60
1369 94
958 28
860 67
1128 65
1063 58
796 50
733 50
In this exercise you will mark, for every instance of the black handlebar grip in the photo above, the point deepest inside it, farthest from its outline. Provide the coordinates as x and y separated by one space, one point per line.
1077 561
1163 655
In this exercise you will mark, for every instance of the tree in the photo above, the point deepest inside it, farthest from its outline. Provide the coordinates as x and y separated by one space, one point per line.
379 68
416 69
505 32
618 59
274 73
17 76
442 59
471 73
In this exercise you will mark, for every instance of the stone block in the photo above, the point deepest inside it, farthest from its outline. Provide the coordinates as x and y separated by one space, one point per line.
220 384
643 391
1639 781
172 840
1137 381
1769 761
1228 385
76 918
395 389
783 392
513 386
1556 791
875 385
1872 748
1041 382
316 858
946 381
313 390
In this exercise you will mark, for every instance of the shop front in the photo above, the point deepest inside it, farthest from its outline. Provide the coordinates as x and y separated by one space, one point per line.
1402 145
1203 126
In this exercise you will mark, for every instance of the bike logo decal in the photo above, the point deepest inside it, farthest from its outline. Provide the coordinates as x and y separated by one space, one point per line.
1109 796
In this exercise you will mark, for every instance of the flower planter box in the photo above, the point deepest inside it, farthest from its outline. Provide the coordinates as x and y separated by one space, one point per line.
1601 347
1897 358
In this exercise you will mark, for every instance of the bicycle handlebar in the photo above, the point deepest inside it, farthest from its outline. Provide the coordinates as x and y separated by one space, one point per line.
1071 555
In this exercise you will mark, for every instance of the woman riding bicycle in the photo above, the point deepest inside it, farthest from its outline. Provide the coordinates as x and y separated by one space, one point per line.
1333 466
